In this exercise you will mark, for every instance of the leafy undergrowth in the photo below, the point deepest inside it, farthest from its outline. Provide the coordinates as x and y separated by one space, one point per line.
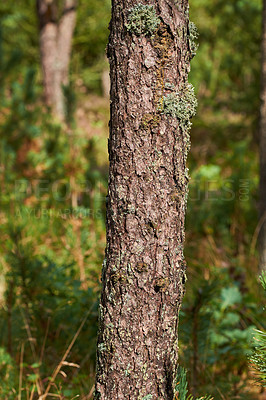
52 214
182 390
258 357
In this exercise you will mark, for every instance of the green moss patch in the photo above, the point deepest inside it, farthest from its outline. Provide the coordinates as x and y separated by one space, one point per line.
142 19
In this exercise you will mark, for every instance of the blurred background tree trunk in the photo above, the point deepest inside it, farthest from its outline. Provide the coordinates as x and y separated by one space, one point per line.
56 34
262 134
144 271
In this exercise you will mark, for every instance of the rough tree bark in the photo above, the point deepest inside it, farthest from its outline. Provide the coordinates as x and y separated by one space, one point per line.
55 47
262 134
144 270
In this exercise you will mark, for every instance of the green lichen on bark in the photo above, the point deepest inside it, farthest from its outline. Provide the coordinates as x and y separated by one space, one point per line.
142 19
181 104
193 37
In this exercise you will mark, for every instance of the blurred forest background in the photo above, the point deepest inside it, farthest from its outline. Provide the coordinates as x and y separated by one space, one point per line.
53 178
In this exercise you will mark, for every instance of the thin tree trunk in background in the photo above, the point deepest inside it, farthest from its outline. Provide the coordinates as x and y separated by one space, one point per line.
105 78
47 14
144 270
9 315
55 47
262 134
106 83
66 28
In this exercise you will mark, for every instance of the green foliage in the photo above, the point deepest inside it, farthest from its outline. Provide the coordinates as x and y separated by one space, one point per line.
89 44
223 191
263 280
216 317
20 32
230 296
227 76
219 311
44 290
50 222
142 19
91 32
8 375
181 387
258 358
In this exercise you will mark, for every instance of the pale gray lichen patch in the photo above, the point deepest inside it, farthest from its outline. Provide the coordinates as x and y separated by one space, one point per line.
142 19
102 347
169 86
181 104
193 37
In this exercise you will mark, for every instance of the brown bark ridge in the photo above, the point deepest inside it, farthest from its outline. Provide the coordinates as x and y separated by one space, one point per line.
55 47
262 134
144 270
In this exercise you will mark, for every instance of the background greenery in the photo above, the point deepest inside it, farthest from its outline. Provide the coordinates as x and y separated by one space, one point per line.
51 250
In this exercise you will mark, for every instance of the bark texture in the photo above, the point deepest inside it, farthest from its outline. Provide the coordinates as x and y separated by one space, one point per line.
144 270
262 128
55 47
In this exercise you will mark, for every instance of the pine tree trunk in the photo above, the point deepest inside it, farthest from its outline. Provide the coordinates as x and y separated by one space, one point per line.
144 271
55 46
262 132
